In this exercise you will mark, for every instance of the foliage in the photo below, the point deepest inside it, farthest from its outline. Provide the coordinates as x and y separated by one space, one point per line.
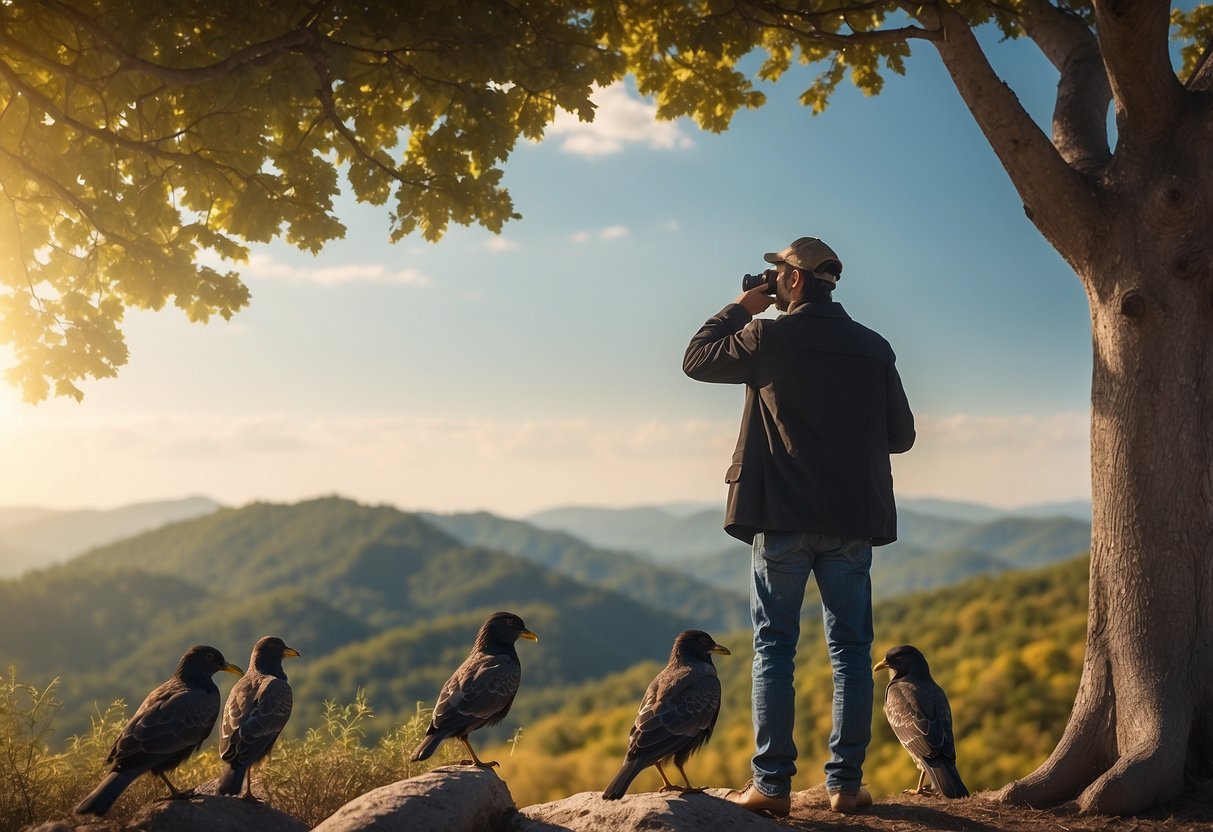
673 587
142 142
1007 649
361 591
308 778
143 145
30 784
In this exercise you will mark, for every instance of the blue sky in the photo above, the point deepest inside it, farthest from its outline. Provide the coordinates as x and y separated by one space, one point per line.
543 367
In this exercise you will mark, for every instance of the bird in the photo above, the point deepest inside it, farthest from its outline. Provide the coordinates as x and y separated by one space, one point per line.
173 721
919 714
481 690
256 712
677 713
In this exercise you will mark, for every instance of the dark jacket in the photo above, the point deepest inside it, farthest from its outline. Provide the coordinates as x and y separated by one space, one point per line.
824 408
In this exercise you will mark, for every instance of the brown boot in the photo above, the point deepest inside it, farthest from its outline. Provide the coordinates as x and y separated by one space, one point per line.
847 802
754 800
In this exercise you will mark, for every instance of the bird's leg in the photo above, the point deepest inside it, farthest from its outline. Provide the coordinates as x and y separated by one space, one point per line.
922 778
689 789
668 787
175 794
475 761
248 785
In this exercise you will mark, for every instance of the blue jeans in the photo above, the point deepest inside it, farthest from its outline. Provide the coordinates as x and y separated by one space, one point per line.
781 564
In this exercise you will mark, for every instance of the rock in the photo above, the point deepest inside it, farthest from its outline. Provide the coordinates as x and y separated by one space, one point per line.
650 811
214 814
448 799
200 811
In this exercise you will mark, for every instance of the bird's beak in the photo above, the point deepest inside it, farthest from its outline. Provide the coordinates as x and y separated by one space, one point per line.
720 649
528 635
880 665
235 671
290 651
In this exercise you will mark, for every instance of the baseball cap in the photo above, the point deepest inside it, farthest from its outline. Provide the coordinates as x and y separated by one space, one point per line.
810 254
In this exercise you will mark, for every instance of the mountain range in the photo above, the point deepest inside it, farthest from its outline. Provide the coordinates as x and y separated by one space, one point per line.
388 601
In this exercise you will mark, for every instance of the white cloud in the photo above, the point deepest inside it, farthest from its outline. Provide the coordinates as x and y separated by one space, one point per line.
670 225
500 244
266 267
611 232
619 120
456 463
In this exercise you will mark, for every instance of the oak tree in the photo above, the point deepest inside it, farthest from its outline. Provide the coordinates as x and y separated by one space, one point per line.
137 135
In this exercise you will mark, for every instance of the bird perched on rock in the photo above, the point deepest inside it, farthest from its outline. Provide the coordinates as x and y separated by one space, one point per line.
256 712
677 713
481 691
173 721
919 714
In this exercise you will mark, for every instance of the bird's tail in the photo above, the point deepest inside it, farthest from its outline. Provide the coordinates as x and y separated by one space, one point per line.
103 797
623 779
428 746
232 780
946 779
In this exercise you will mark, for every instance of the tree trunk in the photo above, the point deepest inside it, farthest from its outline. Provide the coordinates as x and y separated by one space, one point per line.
1143 716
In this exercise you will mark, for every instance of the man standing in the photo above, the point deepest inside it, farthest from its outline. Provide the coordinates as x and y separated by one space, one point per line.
811 489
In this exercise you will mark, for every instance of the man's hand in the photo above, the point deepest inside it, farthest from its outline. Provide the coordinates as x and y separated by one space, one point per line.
756 300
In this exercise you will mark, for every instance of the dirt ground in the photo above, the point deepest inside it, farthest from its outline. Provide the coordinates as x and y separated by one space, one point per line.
912 813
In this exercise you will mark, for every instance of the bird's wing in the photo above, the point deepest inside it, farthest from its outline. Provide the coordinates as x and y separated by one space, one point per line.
172 718
920 717
254 717
679 709
480 689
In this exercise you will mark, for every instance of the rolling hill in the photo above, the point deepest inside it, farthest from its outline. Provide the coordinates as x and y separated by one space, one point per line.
373 597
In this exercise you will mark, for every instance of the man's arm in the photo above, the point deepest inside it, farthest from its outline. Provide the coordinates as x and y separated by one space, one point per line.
725 348
899 419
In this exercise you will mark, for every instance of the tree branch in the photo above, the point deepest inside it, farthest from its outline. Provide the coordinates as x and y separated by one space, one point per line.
1201 79
80 205
1134 37
775 16
324 92
1057 199
1080 116
190 75
109 137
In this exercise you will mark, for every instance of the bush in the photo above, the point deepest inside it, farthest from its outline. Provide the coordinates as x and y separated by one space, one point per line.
307 778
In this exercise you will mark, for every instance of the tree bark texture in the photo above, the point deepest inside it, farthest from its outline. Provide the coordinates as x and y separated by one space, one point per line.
1137 227
1143 718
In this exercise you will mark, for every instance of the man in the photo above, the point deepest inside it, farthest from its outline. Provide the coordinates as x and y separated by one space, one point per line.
811 489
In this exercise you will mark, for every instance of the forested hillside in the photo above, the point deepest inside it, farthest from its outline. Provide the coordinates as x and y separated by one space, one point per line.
373 598
1007 649
931 550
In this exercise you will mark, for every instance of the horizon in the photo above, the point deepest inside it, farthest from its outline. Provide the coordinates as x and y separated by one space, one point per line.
670 506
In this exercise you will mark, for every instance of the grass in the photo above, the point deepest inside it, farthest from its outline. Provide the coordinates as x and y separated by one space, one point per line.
308 778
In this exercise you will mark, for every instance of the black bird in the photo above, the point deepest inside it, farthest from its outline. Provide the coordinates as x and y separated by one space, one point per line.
676 715
257 710
919 714
481 691
173 721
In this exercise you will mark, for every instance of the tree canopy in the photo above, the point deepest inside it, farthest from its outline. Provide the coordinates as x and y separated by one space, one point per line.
144 144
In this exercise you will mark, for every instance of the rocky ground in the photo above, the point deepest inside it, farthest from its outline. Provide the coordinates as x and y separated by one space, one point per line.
901 813
465 799
910 813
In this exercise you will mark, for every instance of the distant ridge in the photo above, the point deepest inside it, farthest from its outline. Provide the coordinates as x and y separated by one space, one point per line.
34 538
